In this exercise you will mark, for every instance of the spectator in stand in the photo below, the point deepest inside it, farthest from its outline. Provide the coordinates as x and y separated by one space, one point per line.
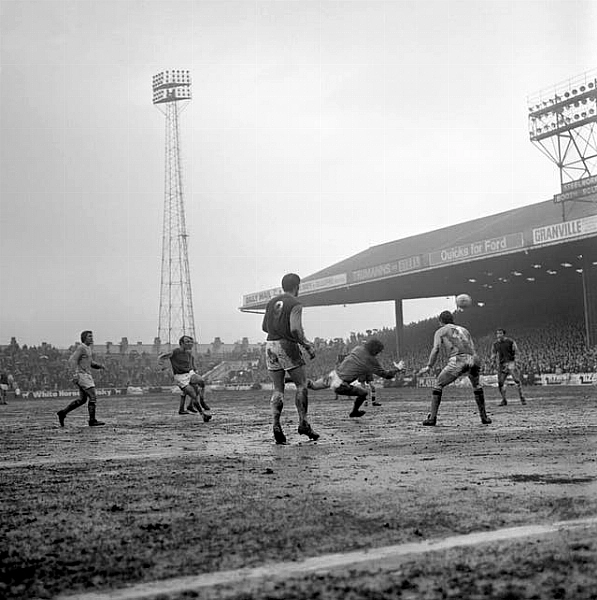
504 352
82 362
562 345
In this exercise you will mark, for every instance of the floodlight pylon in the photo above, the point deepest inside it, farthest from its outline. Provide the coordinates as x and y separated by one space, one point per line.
563 125
171 94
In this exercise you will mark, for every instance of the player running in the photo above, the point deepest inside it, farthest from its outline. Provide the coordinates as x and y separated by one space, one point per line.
82 362
463 359
283 324
504 352
191 384
360 365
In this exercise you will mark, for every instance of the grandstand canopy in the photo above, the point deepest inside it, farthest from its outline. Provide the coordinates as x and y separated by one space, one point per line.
526 255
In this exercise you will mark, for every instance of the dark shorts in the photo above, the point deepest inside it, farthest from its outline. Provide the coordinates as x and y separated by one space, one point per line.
508 368
347 389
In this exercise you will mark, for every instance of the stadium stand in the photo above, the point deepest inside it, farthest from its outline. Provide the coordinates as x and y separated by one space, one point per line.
548 343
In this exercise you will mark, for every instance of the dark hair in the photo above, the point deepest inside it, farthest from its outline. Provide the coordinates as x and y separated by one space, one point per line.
446 317
290 281
374 346
84 334
500 329
182 339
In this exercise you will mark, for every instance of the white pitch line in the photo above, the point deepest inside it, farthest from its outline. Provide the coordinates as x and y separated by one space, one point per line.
327 562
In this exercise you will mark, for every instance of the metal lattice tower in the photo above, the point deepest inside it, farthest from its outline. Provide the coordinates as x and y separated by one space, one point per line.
563 125
171 94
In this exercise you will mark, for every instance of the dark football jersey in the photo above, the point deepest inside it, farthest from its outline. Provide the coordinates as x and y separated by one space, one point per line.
276 322
504 349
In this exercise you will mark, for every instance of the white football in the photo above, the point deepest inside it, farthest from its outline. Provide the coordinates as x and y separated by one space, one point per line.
464 301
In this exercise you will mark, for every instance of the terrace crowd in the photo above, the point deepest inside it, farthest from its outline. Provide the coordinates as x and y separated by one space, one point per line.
558 348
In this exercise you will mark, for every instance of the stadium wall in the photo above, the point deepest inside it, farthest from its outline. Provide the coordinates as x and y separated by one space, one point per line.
547 379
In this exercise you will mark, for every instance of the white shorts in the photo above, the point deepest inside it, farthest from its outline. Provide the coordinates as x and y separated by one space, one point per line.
334 380
84 380
184 379
4 387
282 355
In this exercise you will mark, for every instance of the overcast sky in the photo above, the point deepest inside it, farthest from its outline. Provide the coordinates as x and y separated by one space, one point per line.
317 129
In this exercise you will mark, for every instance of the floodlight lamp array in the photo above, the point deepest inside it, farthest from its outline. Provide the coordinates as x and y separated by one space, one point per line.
172 94
567 106
173 78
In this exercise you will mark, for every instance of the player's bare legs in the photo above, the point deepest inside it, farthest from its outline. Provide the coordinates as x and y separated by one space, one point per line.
516 378
190 390
502 374
359 393
85 395
436 400
91 404
200 388
323 383
475 379
520 395
361 396
194 404
505 370
480 400
446 377
72 406
277 404
374 401
299 378
181 408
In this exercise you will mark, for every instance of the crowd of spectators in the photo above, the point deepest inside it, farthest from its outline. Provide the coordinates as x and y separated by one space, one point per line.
556 347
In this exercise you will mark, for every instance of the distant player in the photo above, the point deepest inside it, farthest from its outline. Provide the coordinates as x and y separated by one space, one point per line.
360 365
4 385
463 360
81 361
285 335
190 383
504 352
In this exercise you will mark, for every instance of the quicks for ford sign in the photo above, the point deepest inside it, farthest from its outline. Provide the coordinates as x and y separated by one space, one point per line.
476 249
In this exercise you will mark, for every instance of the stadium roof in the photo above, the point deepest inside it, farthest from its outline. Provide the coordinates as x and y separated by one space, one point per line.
511 251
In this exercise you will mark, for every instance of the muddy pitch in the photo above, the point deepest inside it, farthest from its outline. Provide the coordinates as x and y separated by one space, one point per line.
155 496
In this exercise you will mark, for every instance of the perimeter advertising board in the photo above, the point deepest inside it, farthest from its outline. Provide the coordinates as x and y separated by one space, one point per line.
478 249
546 379
259 297
388 269
565 230
315 285
576 190
325 283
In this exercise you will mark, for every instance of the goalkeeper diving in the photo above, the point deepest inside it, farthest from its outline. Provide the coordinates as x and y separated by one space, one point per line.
360 365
